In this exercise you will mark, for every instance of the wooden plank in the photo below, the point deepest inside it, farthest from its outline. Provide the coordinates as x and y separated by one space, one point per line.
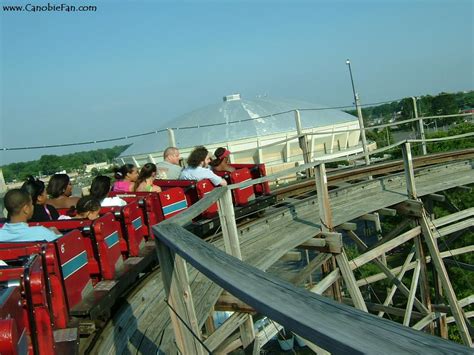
446 283
425 291
325 283
409 207
335 327
175 280
227 302
382 276
422 323
391 293
225 330
411 297
409 170
387 212
325 213
292 256
468 315
348 226
453 228
396 281
379 250
313 265
453 217
232 246
350 281
436 197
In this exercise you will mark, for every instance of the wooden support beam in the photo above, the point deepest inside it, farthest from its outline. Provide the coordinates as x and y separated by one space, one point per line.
313 265
178 293
227 302
379 250
446 283
325 212
453 228
468 315
411 296
382 276
391 293
292 256
232 247
228 345
425 291
409 171
464 188
377 307
225 330
391 276
428 319
399 228
436 197
325 283
453 217
228 225
349 226
350 281
209 325
409 208
314 243
387 212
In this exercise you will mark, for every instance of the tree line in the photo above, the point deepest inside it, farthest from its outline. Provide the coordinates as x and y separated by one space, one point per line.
50 164
428 105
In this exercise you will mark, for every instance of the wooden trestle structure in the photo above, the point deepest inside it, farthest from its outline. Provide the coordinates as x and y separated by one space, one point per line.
194 273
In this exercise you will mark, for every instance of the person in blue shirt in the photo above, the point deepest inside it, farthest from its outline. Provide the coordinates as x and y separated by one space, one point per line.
20 209
198 168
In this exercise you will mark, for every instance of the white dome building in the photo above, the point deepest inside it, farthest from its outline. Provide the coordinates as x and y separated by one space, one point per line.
257 130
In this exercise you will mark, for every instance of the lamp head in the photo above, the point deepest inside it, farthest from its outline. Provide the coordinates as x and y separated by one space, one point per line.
348 62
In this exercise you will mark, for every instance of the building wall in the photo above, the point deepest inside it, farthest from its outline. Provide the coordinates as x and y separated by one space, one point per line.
274 149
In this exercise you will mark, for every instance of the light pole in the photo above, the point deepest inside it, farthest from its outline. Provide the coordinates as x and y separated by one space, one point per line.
420 125
359 115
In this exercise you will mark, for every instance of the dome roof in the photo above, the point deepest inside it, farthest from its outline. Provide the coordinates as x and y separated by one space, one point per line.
237 118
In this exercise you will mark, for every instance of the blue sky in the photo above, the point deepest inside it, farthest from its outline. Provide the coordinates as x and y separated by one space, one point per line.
132 66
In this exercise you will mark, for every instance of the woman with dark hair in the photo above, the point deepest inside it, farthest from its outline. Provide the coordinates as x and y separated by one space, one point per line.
99 190
198 167
87 207
41 211
221 162
60 190
126 176
145 179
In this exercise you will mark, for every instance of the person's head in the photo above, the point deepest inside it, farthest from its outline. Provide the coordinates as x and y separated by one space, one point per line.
19 205
171 155
147 171
126 172
36 189
222 155
100 187
88 207
199 157
59 185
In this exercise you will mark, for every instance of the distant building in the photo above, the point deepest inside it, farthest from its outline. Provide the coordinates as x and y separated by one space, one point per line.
99 166
254 131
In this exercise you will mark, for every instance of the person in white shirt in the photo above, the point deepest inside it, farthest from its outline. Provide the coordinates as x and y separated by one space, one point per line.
100 188
198 168
169 168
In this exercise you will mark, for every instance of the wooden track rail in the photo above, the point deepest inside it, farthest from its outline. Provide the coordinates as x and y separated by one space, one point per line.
334 326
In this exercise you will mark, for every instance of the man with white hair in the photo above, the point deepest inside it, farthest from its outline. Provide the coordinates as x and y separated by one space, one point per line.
169 168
